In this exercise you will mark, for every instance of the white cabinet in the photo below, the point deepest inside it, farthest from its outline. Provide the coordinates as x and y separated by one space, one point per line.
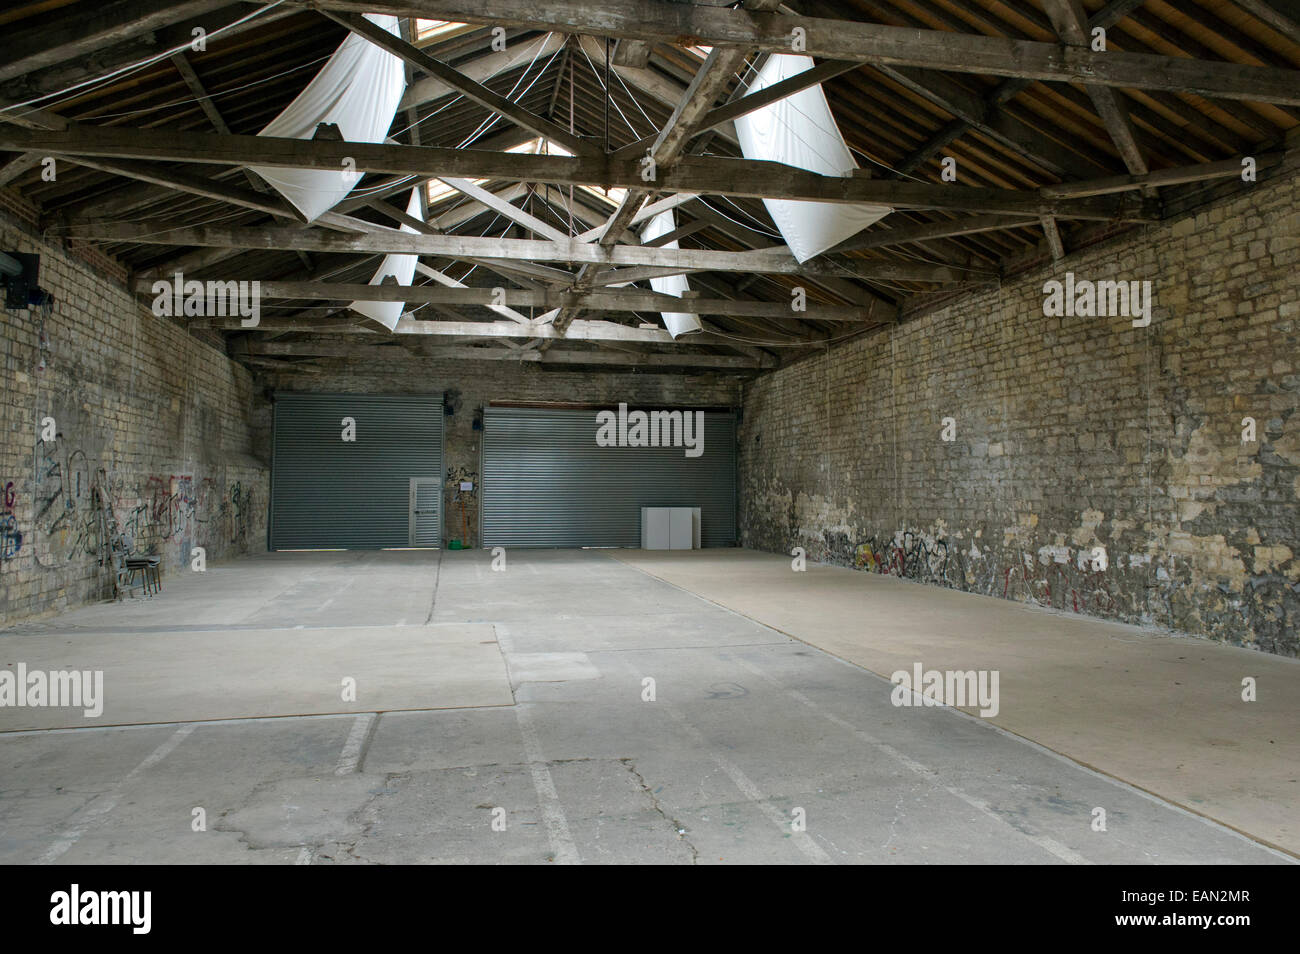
681 528
670 528
655 528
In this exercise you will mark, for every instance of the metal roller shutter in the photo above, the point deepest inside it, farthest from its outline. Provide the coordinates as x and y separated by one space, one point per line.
327 492
545 483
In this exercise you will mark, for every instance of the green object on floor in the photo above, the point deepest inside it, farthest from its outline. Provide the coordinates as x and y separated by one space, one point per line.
455 545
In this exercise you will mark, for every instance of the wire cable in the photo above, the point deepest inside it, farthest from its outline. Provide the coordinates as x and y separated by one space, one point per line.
541 42
100 80
786 344
211 96
496 117
596 73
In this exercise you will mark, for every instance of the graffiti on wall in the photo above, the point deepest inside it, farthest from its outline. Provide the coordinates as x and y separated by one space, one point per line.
1069 579
74 507
11 538
461 506
175 509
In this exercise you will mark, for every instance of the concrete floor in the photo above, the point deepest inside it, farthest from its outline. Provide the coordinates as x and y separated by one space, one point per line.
1161 711
749 730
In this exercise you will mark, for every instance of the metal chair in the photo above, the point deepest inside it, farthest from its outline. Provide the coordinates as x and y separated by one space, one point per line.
146 567
132 566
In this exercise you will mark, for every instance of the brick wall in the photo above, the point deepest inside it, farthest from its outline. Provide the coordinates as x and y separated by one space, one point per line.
470 385
1071 433
155 419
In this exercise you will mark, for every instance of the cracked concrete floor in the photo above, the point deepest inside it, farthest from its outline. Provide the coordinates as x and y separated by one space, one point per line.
756 748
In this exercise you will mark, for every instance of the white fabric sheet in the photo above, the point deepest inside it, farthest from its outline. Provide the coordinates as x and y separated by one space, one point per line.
800 131
401 267
359 88
676 323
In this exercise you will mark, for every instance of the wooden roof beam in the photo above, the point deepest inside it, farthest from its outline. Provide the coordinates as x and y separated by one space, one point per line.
719 27
458 81
710 175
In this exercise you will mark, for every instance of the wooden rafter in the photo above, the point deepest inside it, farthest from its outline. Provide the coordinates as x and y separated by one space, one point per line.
776 260
462 83
624 300
736 177
720 27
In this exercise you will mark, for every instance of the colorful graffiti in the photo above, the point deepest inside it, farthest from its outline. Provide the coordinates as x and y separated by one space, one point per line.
1068 579
1079 586
912 556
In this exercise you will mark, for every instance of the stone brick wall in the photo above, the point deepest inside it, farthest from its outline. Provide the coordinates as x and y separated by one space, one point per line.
1071 434
470 385
146 418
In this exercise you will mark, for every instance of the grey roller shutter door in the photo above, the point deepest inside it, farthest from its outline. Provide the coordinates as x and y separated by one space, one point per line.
545 483
327 492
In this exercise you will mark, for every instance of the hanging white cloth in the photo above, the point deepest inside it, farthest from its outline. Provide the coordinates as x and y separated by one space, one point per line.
398 266
359 89
676 323
799 130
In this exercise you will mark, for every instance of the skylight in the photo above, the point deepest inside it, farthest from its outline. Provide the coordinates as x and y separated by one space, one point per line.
438 190
436 29
544 147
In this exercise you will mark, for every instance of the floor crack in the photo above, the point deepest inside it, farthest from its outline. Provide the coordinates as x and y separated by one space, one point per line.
678 827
